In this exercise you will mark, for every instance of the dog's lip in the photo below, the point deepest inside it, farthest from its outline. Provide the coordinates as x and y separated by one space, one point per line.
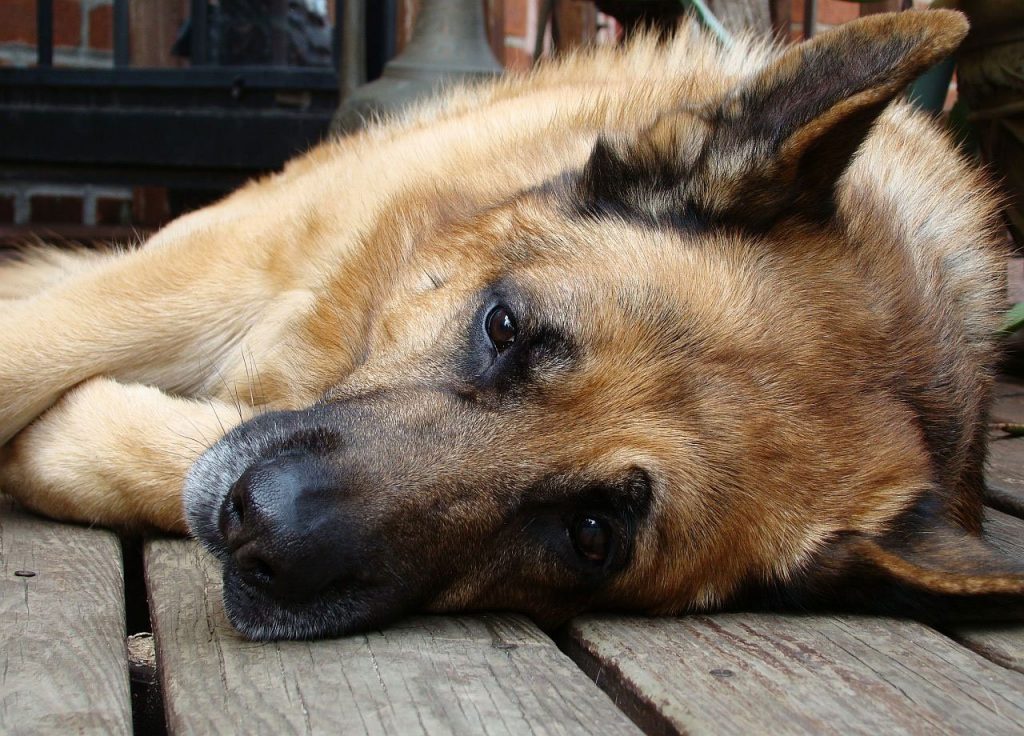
337 611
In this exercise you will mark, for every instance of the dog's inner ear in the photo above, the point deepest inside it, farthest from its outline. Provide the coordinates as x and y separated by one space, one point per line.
932 570
781 139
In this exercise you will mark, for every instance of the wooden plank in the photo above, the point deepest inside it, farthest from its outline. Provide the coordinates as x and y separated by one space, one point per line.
1008 401
63 666
1006 533
487 674
1004 476
754 673
1003 643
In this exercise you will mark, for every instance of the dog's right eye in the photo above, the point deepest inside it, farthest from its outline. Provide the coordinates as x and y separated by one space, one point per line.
501 328
592 538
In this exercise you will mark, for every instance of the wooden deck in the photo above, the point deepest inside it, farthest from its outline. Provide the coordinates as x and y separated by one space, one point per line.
66 665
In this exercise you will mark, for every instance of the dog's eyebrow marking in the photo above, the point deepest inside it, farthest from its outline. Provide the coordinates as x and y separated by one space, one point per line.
430 281
554 349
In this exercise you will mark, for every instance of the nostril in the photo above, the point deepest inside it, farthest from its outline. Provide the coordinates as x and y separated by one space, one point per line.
255 569
236 512
238 506
231 519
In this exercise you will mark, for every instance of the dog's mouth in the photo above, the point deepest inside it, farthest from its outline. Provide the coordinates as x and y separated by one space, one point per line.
334 611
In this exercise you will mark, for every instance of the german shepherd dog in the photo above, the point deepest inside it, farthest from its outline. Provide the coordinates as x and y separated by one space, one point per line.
665 328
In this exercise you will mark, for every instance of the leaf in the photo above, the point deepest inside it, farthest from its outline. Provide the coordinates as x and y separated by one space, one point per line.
1013 320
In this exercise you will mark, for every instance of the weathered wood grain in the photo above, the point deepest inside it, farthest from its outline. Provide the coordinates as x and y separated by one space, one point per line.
471 675
1003 643
1004 474
1007 402
754 673
1005 532
63 665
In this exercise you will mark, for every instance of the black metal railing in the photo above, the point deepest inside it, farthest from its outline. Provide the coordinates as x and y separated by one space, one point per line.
210 124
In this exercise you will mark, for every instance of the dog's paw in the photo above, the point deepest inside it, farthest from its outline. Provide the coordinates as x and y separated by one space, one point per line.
88 459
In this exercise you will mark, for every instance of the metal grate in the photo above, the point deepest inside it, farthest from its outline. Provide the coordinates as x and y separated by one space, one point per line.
213 124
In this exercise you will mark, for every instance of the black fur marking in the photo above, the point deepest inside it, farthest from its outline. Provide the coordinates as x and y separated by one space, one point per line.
539 346
647 185
551 506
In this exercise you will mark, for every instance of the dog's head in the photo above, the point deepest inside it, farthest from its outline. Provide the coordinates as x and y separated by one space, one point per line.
619 390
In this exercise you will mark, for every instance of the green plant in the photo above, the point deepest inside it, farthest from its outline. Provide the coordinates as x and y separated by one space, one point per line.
1013 320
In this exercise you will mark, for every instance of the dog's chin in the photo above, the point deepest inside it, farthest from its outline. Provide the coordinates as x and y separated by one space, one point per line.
332 613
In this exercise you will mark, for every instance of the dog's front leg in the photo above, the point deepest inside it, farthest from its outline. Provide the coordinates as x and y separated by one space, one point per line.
167 317
113 454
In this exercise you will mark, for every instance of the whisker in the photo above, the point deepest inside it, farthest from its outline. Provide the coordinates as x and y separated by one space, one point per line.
248 377
259 382
233 390
198 442
216 416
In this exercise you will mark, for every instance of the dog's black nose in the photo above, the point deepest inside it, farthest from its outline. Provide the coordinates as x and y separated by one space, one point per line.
280 523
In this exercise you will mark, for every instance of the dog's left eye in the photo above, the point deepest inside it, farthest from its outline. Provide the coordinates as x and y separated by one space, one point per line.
501 328
592 538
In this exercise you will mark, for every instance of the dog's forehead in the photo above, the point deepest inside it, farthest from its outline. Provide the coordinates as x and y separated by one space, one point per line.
609 275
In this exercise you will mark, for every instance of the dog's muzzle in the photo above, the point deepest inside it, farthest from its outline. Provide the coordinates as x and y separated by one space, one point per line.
270 501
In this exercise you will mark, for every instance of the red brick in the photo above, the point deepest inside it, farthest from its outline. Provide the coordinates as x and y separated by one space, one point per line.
406 17
150 206
830 12
18 20
883 6
517 59
517 18
113 211
67 22
45 208
7 210
101 28
154 25
495 10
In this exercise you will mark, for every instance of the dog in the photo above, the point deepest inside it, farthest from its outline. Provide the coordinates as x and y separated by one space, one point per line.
667 328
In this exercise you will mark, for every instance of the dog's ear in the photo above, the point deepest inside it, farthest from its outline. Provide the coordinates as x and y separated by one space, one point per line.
932 570
781 139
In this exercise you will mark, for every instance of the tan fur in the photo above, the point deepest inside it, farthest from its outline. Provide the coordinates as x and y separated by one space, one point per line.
774 429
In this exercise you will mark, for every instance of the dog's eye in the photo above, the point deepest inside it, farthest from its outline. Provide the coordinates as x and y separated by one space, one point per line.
501 328
592 538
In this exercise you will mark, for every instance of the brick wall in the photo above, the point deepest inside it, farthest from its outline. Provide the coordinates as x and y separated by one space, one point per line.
830 13
54 204
82 38
82 32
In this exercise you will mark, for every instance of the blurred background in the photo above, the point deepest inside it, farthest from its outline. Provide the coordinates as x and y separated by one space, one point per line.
118 115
